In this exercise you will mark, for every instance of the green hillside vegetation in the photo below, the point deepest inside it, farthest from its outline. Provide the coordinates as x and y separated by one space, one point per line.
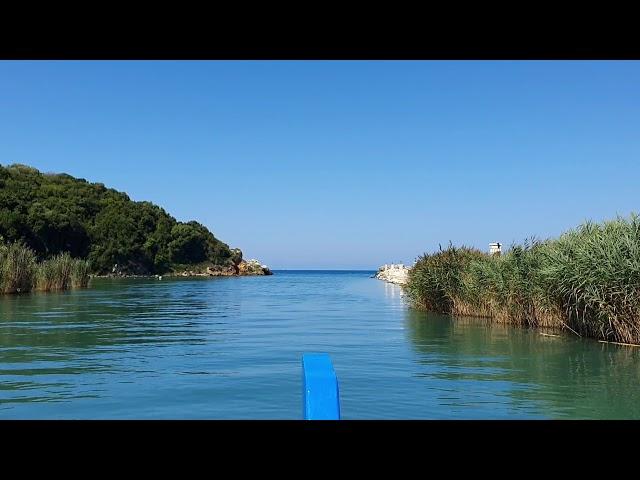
587 281
57 213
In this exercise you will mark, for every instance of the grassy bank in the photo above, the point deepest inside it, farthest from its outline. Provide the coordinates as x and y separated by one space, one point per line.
586 281
21 272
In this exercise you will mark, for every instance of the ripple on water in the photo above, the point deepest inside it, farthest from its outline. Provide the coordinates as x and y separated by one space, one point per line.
231 348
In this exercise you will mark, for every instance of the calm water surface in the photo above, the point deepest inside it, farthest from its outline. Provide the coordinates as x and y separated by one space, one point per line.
230 348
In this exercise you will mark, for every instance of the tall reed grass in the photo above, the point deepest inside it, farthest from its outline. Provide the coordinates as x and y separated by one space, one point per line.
80 273
17 268
586 281
20 272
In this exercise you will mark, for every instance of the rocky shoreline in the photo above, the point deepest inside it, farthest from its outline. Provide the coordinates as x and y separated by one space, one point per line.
244 268
393 273
237 268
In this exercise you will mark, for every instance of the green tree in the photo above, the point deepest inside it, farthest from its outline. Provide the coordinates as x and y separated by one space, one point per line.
55 213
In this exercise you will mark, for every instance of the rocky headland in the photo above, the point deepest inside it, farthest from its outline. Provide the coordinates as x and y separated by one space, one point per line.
236 266
55 214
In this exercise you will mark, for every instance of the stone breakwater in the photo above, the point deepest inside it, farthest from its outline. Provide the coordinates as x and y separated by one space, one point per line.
394 273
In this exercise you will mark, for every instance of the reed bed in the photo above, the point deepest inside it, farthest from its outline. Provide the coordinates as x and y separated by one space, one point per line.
587 281
17 268
20 272
80 274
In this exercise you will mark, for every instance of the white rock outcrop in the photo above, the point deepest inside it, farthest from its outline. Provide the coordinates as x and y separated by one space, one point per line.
393 273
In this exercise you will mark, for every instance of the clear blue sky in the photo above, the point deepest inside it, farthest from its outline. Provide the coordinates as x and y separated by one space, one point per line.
345 164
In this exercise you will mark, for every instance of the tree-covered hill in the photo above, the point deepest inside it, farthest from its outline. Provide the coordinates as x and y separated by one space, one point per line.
55 213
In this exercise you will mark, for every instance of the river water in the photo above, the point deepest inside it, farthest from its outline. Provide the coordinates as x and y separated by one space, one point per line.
230 348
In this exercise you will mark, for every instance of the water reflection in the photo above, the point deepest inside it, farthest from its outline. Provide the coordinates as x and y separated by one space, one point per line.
470 360
231 347
392 291
49 342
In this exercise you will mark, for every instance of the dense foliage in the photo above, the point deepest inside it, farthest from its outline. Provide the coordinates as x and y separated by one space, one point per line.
56 213
587 281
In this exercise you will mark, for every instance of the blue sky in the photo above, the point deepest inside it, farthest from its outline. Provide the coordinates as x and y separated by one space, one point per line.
341 164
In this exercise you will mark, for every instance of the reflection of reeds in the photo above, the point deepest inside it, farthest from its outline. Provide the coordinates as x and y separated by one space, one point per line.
559 368
19 271
586 281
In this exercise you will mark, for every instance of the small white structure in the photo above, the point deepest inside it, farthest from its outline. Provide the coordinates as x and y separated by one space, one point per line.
495 248
394 273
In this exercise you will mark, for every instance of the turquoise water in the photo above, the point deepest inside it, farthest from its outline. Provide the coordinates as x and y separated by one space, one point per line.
230 348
